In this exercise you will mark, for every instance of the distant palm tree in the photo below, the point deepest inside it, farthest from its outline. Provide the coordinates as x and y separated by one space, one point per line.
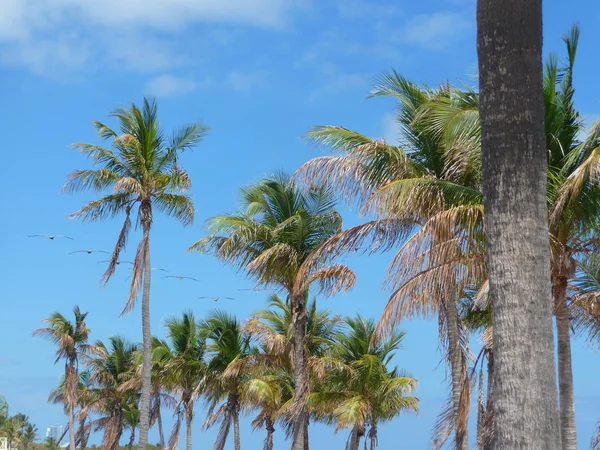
271 240
182 368
226 343
50 444
29 434
366 392
110 368
71 339
142 169
131 420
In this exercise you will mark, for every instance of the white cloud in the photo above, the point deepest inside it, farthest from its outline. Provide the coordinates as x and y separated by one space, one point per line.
245 81
339 84
171 86
390 130
437 30
134 34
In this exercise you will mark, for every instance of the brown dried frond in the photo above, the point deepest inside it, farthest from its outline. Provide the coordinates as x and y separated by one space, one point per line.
128 185
273 341
120 245
137 276
331 280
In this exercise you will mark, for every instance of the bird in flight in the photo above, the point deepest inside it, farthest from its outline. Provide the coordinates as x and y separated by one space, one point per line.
216 299
51 236
158 268
181 278
118 262
89 252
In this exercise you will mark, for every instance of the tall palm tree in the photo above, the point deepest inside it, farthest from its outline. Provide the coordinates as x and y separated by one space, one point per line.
226 343
110 368
408 186
271 240
183 367
141 169
514 168
366 392
71 340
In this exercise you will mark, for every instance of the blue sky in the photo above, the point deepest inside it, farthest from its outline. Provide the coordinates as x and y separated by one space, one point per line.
260 73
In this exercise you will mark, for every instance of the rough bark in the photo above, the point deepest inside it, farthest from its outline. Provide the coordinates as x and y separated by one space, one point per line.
161 433
270 430
301 381
457 372
146 333
236 428
489 407
509 44
568 430
71 427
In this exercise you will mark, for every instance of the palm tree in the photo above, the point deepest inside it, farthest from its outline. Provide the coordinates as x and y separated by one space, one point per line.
514 168
271 240
366 391
50 444
425 183
182 367
142 169
110 368
3 410
131 420
71 340
11 430
227 343
28 435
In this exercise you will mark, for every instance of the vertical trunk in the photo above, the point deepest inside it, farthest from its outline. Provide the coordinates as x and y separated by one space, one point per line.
146 332
514 169
306 439
270 430
161 434
71 427
373 436
354 438
301 381
457 373
236 428
131 439
568 430
188 423
488 436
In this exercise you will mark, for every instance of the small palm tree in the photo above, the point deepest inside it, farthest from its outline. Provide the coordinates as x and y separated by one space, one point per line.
29 433
271 240
71 340
182 367
142 169
226 344
110 368
365 392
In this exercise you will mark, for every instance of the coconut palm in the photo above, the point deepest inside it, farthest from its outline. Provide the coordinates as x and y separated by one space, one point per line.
28 435
424 183
110 368
271 239
226 343
182 368
366 392
71 340
142 170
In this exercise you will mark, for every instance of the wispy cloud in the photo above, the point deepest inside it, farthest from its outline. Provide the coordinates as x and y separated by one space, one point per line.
438 30
338 84
171 86
245 81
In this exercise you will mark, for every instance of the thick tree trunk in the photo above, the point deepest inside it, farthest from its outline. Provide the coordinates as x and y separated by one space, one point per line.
457 373
509 43
301 379
146 333
270 430
188 423
71 427
568 429
236 429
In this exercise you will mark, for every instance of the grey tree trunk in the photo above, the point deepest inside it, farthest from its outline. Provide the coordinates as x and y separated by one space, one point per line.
236 429
189 418
71 427
354 439
161 434
131 439
270 430
301 380
568 430
457 373
489 407
373 436
514 167
146 333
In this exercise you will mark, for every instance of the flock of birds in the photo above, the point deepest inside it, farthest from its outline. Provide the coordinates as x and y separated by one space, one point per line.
52 237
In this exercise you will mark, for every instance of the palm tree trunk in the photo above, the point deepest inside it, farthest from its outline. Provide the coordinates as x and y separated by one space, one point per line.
71 427
161 434
514 169
236 429
568 429
489 407
270 430
131 439
188 423
354 438
146 213
457 373
301 381
373 436
306 439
